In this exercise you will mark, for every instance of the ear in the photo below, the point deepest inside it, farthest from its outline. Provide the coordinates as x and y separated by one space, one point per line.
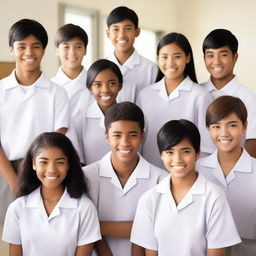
142 137
34 165
188 58
197 156
137 32
245 126
235 57
11 51
106 136
108 32
57 51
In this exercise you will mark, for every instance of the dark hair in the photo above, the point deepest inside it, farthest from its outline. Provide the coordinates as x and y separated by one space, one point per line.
26 27
220 38
99 66
124 111
174 131
28 181
68 32
224 106
122 13
184 44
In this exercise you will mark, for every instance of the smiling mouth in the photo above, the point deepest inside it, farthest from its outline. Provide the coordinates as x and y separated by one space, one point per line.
178 167
51 177
121 41
125 151
105 98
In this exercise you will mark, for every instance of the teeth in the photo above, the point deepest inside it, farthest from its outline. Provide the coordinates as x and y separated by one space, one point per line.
29 61
121 41
217 69
178 167
124 151
105 97
51 177
224 141
72 59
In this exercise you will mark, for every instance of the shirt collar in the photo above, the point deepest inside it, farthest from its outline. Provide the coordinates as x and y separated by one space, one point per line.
94 111
244 163
131 62
35 200
229 89
12 82
142 171
185 85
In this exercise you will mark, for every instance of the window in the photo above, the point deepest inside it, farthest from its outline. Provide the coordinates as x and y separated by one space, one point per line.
88 20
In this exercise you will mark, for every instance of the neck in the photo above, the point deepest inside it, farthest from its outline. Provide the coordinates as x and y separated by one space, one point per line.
52 195
124 170
27 78
172 84
220 83
122 57
228 160
72 73
184 183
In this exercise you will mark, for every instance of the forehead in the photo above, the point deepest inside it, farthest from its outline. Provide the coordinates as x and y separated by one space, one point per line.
219 50
123 23
74 40
185 143
171 49
106 74
124 126
230 118
50 152
31 39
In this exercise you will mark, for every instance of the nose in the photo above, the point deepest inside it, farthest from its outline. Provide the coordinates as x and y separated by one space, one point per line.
223 131
51 168
124 141
216 59
29 51
105 88
177 157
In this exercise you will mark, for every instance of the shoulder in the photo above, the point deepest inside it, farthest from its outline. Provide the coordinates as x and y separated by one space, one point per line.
147 62
91 171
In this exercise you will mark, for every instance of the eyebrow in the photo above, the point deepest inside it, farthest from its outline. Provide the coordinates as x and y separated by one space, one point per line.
45 158
128 132
36 43
212 51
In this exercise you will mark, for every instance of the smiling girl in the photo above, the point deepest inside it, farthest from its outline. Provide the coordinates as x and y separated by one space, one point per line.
232 168
175 95
87 131
52 214
184 214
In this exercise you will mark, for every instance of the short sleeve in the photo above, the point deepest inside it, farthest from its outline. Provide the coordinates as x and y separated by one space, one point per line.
61 109
89 230
11 230
143 225
221 230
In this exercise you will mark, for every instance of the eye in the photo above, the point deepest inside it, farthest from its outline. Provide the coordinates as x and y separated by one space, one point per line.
186 151
42 162
233 125
116 136
215 126
112 83
60 162
168 153
96 84
133 135
209 56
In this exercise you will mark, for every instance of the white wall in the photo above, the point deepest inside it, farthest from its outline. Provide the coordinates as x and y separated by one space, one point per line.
194 18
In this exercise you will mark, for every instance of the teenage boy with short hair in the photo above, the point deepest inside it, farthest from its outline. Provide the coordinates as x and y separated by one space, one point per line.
220 56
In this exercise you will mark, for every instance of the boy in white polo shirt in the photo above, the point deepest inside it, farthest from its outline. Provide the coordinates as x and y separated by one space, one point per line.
232 168
122 31
117 181
220 56
185 214
71 42
29 102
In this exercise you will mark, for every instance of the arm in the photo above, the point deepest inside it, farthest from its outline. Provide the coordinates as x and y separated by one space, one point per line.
7 171
250 147
216 252
155 253
137 250
120 229
15 250
84 250
102 248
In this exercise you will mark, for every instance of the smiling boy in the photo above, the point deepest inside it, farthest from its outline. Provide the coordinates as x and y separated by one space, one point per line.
122 31
29 103
220 56
117 181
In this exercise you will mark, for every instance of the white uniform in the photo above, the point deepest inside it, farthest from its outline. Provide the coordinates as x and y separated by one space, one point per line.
240 187
234 88
188 101
201 220
115 203
23 116
73 222
87 133
42 107
79 96
137 69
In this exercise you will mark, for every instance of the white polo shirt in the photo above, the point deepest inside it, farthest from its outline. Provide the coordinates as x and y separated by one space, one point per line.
43 108
87 133
115 203
240 187
137 69
79 96
234 88
188 101
128 92
73 222
201 220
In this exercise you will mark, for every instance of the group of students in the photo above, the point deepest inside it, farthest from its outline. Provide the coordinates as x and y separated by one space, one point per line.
122 202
